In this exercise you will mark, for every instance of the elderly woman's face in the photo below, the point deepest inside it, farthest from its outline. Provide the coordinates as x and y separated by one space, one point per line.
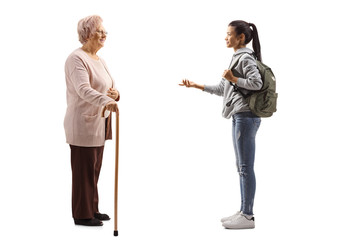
98 39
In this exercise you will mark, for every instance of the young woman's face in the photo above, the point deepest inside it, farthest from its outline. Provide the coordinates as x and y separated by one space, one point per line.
232 41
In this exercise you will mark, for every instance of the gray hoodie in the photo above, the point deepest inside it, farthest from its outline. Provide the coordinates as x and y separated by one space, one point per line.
234 102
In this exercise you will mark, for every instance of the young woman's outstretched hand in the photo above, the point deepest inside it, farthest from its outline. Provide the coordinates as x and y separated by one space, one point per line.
189 84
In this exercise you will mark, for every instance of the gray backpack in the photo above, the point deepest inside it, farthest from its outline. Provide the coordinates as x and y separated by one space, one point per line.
261 102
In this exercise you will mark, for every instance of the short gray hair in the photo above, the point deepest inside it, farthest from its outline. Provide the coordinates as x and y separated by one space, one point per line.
87 27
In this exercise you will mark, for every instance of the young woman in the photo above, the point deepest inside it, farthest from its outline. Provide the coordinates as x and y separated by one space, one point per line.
245 123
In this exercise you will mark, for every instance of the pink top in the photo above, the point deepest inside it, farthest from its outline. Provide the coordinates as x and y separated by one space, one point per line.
87 81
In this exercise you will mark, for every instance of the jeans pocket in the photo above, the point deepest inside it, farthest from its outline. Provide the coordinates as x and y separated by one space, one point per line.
256 121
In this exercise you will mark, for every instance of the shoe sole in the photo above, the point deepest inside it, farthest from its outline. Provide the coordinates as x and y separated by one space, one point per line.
80 223
243 227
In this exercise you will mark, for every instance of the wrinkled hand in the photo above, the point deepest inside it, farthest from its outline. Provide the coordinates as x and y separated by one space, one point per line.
228 75
187 83
113 93
111 106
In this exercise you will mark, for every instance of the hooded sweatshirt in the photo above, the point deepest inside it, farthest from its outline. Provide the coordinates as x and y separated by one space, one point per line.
250 80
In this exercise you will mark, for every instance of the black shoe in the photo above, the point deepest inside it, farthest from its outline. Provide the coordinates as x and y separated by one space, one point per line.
101 216
88 222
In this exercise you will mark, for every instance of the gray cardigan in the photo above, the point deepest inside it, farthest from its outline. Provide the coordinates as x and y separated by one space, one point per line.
234 102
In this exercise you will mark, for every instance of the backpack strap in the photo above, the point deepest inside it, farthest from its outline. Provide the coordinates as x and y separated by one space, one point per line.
231 67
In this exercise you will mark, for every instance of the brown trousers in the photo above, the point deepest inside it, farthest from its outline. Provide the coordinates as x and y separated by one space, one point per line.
85 164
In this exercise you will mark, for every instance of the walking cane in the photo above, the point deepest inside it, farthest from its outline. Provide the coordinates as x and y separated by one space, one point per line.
116 170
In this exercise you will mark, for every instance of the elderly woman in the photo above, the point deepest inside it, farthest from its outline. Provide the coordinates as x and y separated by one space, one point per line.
90 88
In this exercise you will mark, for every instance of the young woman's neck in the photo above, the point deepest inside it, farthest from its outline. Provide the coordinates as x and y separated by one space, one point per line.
238 47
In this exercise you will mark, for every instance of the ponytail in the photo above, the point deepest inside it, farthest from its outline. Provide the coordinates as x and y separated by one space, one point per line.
256 42
250 34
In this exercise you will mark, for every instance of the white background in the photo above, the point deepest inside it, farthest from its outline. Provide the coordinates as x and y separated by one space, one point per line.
177 169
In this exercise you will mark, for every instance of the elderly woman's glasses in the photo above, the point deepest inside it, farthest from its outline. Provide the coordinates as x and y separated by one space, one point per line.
102 32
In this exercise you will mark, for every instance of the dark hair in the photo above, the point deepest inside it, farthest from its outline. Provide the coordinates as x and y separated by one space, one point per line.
244 27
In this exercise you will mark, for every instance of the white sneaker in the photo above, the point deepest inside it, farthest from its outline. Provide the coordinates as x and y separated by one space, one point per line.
230 217
240 222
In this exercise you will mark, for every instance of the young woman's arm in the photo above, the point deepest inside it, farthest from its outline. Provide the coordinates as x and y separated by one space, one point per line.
190 84
215 89
252 78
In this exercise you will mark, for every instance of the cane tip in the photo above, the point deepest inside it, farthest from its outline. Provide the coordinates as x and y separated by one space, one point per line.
116 233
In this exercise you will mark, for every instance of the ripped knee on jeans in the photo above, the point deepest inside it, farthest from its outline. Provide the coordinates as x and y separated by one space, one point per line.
244 170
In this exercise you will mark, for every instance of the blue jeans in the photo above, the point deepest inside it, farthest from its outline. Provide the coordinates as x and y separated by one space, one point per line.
245 126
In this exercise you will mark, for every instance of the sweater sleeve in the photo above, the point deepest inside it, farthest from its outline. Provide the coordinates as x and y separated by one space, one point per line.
79 77
113 82
252 77
216 89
